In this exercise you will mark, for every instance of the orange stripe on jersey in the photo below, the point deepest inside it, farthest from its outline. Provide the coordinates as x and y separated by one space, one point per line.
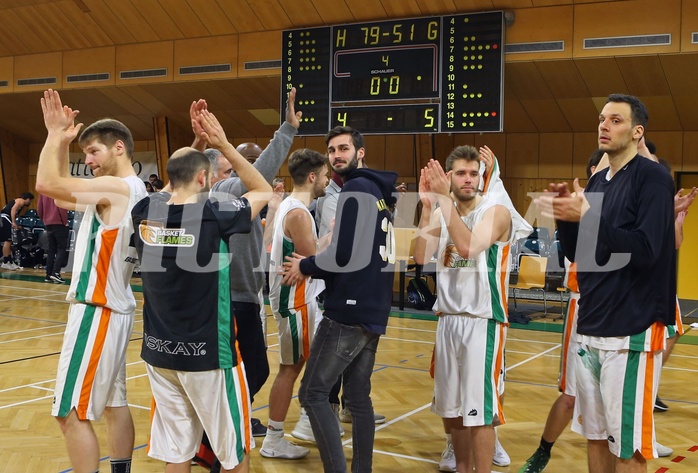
153 407
503 283
86 388
679 322
657 337
648 407
572 283
244 392
486 179
99 296
571 310
301 304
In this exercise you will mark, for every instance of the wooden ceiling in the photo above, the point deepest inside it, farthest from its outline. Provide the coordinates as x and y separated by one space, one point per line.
540 96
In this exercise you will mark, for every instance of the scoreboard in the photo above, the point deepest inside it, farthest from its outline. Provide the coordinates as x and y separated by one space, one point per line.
420 75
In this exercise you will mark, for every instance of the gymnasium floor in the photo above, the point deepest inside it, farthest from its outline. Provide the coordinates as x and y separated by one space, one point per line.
32 316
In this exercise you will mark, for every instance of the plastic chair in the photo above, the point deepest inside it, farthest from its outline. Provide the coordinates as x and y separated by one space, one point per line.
532 277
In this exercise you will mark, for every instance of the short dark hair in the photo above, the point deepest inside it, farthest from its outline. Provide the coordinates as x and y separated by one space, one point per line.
108 131
594 160
154 175
638 111
356 137
27 195
183 168
467 152
304 161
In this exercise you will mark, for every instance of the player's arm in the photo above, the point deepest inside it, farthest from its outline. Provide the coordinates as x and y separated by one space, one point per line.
299 228
259 191
494 226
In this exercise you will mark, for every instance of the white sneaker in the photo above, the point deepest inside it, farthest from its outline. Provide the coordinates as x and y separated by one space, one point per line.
500 455
9 266
663 451
303 430
281 448
448 459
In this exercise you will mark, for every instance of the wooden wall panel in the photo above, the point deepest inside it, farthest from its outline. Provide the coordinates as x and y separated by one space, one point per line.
662 112
602 76
375 151
265 46
690 152
205 51
7 66
536 25
89 61
689 25
669 146
581 114
522 155
546 115
584 145
38 65
400 155
639 17
130 57
556 152
15 172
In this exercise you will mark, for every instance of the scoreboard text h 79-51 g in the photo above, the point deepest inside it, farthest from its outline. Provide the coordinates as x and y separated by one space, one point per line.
419 75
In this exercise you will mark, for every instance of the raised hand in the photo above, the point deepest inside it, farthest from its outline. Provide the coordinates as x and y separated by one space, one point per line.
59 118
212 131
426 196
293 117
487 157
439 181
683 202
194 111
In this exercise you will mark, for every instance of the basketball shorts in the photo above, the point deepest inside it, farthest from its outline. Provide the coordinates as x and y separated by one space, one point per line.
187 403
296 332
676 329
468 365
92 364
570 347
615 399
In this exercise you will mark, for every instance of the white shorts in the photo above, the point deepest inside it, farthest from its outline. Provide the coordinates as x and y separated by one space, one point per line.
615 399
187 403
296 332
570 347
676 329
92 365
468 363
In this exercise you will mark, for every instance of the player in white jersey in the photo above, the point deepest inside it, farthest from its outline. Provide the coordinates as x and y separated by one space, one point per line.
470 235
92 366
294 307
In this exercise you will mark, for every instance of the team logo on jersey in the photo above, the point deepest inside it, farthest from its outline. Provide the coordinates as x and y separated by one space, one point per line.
451 258
154 234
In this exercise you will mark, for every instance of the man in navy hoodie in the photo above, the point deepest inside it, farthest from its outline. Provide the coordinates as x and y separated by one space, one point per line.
358 268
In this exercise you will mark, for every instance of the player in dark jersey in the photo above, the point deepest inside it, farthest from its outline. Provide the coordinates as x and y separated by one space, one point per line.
189 335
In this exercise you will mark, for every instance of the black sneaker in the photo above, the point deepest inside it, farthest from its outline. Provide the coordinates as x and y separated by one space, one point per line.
56 277
48 279
258 429
536 463
659 406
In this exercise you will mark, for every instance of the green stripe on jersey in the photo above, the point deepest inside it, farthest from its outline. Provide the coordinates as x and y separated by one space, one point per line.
498 313
489 360
285 296
233 405
85 271
627 422
226 357
76 360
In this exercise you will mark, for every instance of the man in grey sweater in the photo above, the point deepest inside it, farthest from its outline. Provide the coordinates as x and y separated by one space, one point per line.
249 259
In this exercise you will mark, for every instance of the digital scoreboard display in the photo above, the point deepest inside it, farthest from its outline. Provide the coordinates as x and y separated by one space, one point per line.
420 75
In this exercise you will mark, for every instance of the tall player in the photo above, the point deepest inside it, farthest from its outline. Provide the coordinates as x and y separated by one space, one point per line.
91 378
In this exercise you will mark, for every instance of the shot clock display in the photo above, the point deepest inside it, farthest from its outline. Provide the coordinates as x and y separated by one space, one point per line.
420 75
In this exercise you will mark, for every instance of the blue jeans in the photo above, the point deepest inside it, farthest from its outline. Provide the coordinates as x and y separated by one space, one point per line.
337 349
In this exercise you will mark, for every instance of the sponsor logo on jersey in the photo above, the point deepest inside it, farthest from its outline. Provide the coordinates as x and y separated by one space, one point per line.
175 348
451 258
154 234
473 412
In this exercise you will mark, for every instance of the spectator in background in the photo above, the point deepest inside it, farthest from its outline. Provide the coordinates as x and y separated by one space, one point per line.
153 177
8 218
56 221
148 187
157 185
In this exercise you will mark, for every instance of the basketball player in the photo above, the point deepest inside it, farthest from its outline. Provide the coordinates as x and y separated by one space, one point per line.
471 236
91 378
294 307
627 282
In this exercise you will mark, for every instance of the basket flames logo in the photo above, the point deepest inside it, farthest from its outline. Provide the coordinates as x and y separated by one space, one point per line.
451 258
153 234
